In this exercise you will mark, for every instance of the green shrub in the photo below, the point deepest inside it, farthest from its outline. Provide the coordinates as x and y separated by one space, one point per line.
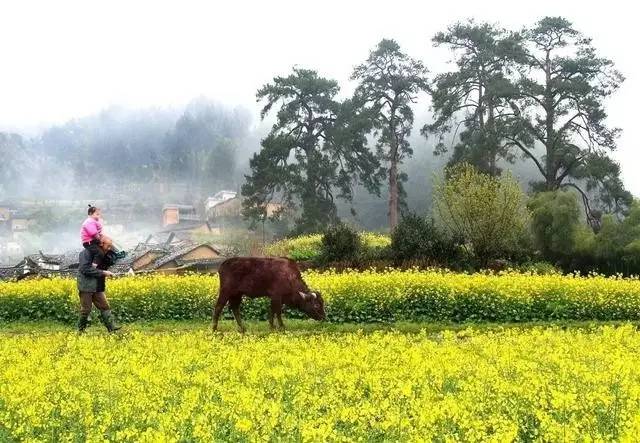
489 213
555 220
417 238
304 255
340 243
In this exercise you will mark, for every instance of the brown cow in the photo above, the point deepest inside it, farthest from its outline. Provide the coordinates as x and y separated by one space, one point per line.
276 278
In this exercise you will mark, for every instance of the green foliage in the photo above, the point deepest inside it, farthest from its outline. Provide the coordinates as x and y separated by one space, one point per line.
515 92
476 96
366 297
561 236
488 213
418 238
560 104
389 83
555 221
316 146
304 254
617 245
340 243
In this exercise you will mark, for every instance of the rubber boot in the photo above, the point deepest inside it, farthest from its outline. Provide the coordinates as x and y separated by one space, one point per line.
83 320
108 321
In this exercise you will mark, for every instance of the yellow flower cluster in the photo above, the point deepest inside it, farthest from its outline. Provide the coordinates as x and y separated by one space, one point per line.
509 296
308 246
540 384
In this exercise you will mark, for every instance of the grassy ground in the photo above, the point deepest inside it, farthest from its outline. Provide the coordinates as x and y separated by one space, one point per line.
298 327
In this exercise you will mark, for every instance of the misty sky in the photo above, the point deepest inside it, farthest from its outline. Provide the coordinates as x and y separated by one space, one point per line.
65 59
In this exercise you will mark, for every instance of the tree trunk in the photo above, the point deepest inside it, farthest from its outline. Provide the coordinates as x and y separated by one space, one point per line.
550 165
393 194
492 145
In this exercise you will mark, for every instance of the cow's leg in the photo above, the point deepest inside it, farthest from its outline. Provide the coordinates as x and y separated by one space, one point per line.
276 309
271 315
278 313
234 304
280 320
217 310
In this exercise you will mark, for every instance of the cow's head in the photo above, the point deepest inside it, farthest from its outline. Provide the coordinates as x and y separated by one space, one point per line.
312 304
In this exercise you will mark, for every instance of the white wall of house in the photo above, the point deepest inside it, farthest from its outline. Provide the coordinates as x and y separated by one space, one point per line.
218 198
49 266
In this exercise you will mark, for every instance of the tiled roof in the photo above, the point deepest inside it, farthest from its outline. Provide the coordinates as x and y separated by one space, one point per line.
183 226
175 253
178 206
214 260
9 273
179 252
120 268
70 259
136 254
46 258
161 238
16 273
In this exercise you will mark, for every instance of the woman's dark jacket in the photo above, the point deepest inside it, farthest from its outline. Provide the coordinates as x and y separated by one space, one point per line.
90 278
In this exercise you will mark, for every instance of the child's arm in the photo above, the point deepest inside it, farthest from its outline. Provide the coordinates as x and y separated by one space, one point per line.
99 229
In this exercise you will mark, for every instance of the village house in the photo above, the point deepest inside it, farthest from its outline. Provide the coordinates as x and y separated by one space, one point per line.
42 265
172 258
229 208
141 259
183 221
218 198
232 208
9 273
173 214
190 257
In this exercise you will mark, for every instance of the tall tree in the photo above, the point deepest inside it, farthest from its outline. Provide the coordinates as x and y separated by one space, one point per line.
315 151
475 95
389 83
560 107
